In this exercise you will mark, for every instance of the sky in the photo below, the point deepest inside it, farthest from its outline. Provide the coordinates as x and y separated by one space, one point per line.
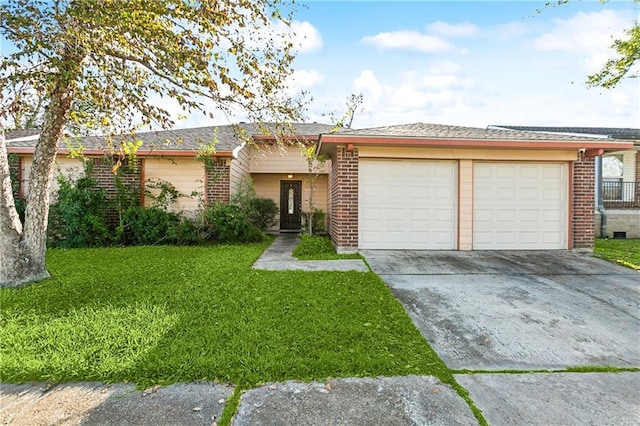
467 63
462 63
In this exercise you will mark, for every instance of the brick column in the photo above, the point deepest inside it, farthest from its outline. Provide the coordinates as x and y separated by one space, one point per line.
343 179
218 182
583 203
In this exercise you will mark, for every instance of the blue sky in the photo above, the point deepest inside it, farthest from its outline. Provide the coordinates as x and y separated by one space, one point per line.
469 63
464 63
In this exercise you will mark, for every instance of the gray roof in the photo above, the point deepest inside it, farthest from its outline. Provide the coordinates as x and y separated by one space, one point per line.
17 134
227 137
610 132
442 131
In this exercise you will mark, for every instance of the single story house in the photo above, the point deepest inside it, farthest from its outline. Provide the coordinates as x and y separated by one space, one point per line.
438 187
235 153
617 189
414 186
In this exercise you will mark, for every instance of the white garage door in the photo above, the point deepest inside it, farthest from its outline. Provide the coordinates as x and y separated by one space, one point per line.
406 204
520 206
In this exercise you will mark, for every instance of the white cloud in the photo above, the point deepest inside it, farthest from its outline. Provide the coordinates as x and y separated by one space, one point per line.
589 34
447 30
409 40
306 37
434 89
304 80
368 84
584 32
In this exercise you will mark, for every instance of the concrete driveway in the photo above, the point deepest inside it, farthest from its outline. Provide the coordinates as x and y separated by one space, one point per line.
499 310
521 311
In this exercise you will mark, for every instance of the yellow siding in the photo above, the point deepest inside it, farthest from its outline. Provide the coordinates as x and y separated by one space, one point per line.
467 153
465 205
273 159
268 186
239 169
65 166
186 174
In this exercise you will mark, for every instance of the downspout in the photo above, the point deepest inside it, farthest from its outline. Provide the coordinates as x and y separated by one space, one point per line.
599 196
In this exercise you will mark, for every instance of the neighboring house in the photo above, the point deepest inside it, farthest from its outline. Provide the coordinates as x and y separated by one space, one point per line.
617 191
279 171
426 186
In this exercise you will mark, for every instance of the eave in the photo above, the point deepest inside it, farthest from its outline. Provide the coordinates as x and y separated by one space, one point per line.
594 146
139 153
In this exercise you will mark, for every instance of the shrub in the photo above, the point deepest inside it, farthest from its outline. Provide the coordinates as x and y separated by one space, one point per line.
148 226
227 223
263 212
318 221
187 232
313 245
78 217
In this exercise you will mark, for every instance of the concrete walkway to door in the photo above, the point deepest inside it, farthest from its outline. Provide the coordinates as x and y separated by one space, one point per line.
278 258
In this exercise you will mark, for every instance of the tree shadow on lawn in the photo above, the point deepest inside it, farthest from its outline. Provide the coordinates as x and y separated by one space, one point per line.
204 314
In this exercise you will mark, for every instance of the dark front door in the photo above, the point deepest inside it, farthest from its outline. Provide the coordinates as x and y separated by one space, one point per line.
290 204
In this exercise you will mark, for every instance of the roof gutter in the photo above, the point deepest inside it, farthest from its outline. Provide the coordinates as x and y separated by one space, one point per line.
140 153
471 143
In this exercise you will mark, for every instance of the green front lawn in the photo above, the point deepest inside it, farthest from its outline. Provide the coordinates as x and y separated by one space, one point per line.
623 252
177 314
317 247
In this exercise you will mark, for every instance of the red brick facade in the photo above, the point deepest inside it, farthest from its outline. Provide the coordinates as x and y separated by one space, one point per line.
218 181
343 182
130 178
583 203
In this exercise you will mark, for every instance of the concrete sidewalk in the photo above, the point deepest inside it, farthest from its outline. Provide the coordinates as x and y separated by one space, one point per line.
411 400
278 258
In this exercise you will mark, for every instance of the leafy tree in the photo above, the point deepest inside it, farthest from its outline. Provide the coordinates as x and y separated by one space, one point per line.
116 56
620 67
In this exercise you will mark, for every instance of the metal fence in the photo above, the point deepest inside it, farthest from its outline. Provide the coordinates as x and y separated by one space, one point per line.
621 195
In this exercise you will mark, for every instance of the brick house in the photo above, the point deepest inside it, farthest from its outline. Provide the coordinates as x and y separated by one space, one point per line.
234 153
414 186
424 186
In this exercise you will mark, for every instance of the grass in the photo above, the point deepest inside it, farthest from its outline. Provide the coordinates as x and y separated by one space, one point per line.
161 315
623 252
315 247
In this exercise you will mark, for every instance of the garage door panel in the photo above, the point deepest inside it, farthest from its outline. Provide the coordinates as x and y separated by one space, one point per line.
415 204
520 206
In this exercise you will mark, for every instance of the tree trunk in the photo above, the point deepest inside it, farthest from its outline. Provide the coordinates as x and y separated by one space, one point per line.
22 253
11 258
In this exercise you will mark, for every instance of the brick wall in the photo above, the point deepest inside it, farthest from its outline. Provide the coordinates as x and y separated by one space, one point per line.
131 177
343 180
583 203
218 182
